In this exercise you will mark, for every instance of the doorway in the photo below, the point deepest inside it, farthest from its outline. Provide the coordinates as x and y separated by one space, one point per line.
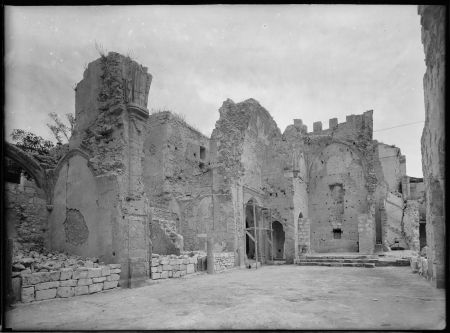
278 239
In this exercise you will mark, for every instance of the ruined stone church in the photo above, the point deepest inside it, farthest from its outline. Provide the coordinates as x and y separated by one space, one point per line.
131 183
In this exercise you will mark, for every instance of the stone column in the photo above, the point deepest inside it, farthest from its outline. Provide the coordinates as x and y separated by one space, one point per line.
434 30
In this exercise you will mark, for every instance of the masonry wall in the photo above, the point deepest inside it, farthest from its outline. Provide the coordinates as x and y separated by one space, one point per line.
342 182
285 184
100 204
26 216
434 29
178 176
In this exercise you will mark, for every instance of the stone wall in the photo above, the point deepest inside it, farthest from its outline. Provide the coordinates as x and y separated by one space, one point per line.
366 234
164 267
26 215
177 174
434 30
342 182
224 261
67 282
304 229
98 184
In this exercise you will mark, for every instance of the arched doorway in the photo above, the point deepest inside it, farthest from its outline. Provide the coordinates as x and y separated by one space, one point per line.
249 223
278 240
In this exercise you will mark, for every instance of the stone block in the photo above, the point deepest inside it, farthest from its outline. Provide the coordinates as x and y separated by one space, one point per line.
45 294
190 269
84 282
182 267
69 283
105 270
167 268
81 290
160 268
99 279
155 263
154 269
89 264
80 274
175 267
55 276
95 288
183 272
66 274
186 261
46 285
35 278
116 271
114 277
110 284
164 274
176 274
27 294
94 272
17 287
156 276
164 262
192 260
114 266
175 261
170 274
64 292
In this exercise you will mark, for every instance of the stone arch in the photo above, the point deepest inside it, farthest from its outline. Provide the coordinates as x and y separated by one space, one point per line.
317 154
65 159
32 166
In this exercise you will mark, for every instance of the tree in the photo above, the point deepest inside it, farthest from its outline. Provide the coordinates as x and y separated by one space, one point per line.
31 143
60 129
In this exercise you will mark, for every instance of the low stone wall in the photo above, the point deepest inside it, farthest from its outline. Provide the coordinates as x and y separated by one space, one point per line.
419 265
172 266
223 261
67 282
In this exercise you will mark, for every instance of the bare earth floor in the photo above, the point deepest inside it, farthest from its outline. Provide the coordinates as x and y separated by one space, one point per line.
272 297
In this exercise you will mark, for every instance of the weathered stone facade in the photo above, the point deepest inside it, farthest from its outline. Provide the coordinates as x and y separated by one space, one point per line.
131 186
434 29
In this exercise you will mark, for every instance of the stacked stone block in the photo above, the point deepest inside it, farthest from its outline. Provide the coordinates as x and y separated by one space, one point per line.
164 267
68 282
223 261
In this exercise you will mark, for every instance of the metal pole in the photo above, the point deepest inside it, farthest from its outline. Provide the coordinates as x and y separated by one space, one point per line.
210 256
256 237
271 232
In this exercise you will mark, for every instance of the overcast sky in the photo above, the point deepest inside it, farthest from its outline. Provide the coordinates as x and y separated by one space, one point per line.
299 61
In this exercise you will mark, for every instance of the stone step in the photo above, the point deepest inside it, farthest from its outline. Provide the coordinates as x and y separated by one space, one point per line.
336 264
335 257
338 260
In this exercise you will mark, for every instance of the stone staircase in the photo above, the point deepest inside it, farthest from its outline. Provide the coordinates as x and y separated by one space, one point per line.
367 261
171 241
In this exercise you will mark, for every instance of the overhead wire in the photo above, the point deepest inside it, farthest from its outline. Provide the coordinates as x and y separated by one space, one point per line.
399 126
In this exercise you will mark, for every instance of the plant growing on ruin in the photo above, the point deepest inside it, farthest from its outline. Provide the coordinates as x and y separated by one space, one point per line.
59 129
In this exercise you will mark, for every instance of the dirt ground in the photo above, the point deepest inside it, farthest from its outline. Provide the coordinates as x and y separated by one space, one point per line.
272 297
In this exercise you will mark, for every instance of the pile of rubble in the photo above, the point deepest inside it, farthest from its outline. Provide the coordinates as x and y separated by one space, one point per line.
33 262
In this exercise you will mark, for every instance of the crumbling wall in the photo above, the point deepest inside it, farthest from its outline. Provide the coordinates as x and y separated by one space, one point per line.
101 175
340 161
177 174
285 183
434 29
401 226
392 164
238 146
26 216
